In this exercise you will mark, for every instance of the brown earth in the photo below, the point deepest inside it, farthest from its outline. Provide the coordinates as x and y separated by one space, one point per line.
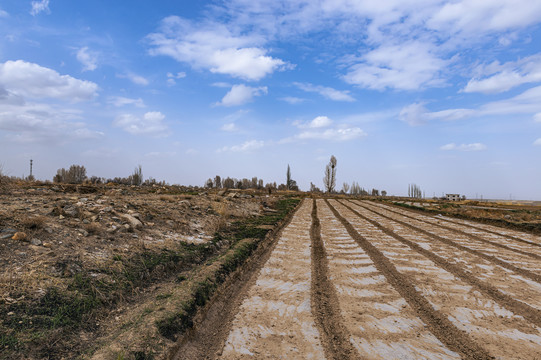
387 283
336 279
90 271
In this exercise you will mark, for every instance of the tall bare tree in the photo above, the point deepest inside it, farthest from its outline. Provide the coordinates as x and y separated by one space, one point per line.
288 178
137 176
329 181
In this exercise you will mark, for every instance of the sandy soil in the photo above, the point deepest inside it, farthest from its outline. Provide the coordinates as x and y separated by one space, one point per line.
381 282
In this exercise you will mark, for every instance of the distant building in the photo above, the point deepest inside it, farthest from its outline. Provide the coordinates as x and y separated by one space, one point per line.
453 197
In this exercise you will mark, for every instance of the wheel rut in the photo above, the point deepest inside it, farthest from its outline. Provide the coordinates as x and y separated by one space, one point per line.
325 304
526 273
275 318
484 228
531 314
464 233
381 323
446 332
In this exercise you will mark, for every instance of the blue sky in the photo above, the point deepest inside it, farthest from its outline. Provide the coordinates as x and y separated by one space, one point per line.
443 94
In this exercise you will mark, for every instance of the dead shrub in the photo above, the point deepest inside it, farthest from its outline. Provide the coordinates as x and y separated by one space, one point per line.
93 228
34 222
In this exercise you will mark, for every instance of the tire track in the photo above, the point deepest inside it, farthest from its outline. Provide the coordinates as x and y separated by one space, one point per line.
508 282
519 308
275 318
455 339
464 233
381 324
484 227
325 304
526 273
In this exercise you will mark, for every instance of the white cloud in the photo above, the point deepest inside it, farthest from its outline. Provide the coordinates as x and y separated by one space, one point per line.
248 146
50 124
537 117
158 154
3 14
241 94
292 100
40 6
88 58
479 16
120 101
317 122
506 76
151 123
34 81
537 142
179 75
320 121
464 147
229 127
134 78
326 92
338 134
171 78
214 47
407 66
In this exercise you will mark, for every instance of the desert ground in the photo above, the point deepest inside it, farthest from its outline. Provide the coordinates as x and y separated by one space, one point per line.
350 279
171 273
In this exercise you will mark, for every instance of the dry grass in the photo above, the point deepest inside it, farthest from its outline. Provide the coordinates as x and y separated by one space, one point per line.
33 222
93 228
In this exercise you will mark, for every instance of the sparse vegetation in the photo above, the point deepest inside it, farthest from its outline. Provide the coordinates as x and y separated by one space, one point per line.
83 284
329 180
75 175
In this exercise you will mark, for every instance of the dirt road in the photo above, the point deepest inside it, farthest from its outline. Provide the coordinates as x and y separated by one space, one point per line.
364 280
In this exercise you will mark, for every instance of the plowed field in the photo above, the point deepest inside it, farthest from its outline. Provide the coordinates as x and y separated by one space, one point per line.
362 280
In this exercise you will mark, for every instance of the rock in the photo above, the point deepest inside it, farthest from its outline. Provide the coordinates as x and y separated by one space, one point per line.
108 209
71 211
47 245
134 223
19 236
222 192
35 242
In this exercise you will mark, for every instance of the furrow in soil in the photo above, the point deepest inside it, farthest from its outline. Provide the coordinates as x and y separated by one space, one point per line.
526 267
325 305
455 297
437 322
523 247
381 323
518 290
275 319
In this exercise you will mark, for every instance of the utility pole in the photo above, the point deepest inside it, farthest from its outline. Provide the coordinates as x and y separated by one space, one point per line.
31 167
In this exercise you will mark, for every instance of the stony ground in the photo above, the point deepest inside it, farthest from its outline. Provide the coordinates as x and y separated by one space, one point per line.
75 261
350 279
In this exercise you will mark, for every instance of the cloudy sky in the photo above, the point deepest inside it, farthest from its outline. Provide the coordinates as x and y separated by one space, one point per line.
443 94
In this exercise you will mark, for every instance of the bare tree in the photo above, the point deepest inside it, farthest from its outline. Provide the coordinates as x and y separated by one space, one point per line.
137 176
345 188
288 178
75 175
229 183
217 182
329 181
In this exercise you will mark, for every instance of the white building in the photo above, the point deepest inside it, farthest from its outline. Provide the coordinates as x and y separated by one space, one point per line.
453 197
